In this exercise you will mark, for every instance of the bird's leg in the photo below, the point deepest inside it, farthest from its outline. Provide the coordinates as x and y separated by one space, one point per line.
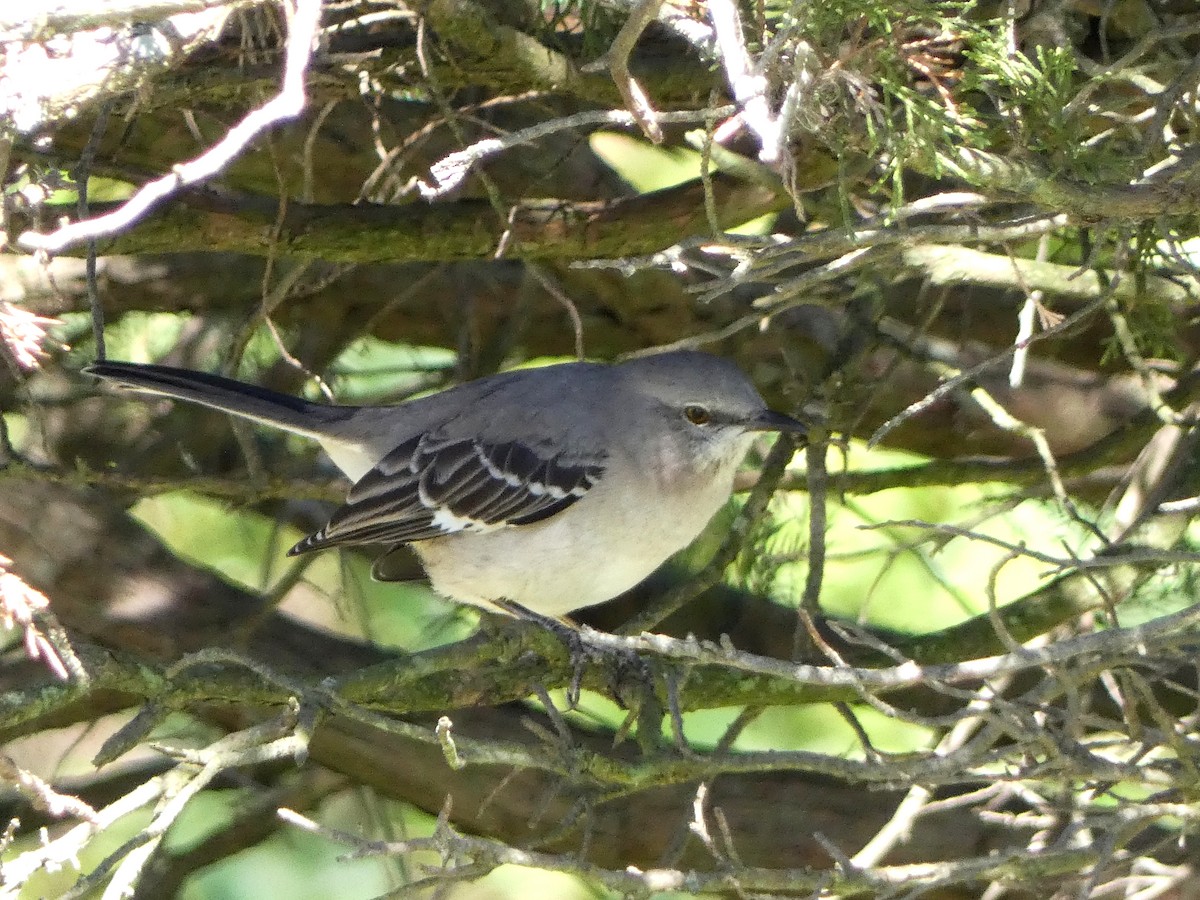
577 650
622 666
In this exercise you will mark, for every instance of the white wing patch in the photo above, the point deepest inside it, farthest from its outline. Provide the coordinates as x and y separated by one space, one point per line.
449 523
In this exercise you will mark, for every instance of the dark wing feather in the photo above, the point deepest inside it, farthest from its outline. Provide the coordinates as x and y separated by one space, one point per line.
428 487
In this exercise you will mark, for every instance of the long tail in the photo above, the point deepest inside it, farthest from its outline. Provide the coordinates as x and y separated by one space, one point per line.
236 397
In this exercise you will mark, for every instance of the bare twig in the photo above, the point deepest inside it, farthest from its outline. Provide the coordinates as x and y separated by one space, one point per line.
286 105
449 172
617 61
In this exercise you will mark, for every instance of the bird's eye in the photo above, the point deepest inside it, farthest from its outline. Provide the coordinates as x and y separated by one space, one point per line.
697 415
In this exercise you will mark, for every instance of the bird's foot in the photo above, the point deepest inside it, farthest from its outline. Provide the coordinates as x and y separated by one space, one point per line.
630 678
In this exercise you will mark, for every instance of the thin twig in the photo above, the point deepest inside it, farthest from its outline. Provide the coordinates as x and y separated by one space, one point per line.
286 105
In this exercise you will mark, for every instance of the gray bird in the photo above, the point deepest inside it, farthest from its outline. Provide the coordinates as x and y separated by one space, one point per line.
553 488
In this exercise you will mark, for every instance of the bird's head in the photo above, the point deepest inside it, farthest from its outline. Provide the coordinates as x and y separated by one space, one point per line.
708 401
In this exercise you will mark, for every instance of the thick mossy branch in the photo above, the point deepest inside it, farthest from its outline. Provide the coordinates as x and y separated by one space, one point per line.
506 58
459 230
1178 195
512 663
943 266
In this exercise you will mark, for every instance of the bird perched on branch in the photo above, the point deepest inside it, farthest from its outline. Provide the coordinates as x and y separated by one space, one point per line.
552 488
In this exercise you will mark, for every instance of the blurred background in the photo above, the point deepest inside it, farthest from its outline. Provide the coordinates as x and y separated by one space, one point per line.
967 256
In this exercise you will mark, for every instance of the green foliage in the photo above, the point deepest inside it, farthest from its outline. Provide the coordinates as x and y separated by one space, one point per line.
136 336
883 572
288 864
372 370
334 591
1173 588
882 79
910 83
1155 331
1035 105
596 24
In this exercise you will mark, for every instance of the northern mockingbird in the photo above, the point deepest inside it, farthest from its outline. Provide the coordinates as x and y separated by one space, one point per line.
553 488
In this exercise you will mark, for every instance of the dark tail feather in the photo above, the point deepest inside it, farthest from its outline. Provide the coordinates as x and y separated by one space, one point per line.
216 392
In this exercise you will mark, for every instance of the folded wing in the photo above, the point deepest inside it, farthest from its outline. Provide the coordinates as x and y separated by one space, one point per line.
430 487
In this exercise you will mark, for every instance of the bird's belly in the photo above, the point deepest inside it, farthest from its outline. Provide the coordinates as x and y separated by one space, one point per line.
562 564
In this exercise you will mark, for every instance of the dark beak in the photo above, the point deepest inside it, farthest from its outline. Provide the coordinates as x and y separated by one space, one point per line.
769 420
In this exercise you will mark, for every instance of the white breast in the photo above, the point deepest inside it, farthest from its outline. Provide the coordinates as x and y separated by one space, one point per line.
567 562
